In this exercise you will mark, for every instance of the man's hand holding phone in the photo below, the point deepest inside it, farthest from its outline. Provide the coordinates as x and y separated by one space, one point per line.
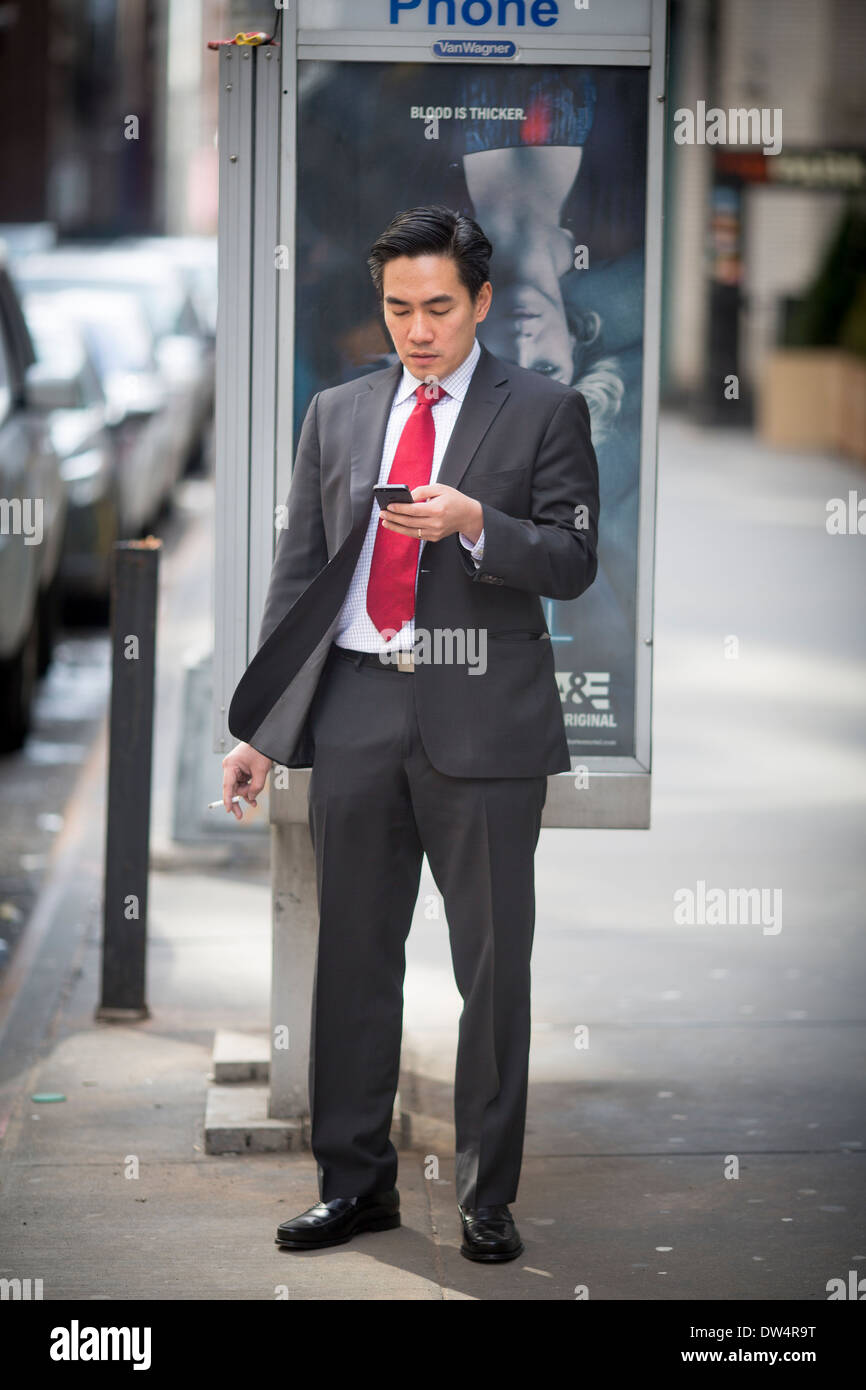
245 772
434 510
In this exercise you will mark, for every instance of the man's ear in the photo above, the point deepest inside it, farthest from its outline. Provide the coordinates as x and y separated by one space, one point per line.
479 301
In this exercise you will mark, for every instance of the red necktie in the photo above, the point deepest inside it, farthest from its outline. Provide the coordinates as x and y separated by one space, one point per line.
391 585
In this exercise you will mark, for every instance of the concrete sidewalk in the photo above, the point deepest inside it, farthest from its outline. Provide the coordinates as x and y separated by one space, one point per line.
711 1049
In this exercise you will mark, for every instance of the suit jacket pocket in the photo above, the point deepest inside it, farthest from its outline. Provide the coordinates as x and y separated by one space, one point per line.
493 480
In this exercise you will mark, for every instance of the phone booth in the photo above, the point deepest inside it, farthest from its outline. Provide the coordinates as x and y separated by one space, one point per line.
543 119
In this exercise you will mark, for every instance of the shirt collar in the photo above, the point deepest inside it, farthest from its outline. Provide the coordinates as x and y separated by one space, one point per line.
456 383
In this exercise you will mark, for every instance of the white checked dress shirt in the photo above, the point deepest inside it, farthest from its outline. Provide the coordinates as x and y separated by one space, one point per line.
355 628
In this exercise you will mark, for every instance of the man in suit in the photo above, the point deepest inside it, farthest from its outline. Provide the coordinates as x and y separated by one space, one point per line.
404 657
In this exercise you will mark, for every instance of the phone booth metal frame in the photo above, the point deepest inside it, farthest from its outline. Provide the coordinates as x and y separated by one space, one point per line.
256 328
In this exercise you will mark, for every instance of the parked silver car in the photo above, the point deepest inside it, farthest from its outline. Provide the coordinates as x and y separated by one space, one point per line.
195 258
182 355
147 456
66 376
32 523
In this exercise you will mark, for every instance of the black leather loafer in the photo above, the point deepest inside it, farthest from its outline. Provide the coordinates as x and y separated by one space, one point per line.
335 1222
489 1234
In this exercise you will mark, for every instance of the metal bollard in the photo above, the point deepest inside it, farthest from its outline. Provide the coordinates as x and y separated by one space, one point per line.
135 570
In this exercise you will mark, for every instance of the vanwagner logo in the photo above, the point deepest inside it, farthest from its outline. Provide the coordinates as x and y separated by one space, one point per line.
474 48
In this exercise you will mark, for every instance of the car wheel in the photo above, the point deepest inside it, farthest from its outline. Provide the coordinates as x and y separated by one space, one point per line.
18 677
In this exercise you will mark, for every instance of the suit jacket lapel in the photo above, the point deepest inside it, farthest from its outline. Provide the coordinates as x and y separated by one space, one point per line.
371 407
485 396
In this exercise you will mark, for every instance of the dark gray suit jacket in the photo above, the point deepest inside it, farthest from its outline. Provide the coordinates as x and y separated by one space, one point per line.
521 446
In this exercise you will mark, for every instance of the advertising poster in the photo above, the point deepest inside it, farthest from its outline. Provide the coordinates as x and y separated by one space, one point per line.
551 161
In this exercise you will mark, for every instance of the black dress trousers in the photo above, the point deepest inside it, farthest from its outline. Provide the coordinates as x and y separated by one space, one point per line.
376 806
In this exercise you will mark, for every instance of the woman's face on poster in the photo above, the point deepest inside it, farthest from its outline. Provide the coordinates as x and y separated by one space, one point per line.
527 325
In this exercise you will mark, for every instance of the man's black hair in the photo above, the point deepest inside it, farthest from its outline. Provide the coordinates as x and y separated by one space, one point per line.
434 231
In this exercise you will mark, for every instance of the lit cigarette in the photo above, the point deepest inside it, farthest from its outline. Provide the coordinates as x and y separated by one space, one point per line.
212 805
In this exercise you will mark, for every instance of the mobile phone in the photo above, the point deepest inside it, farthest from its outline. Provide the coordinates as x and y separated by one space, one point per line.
392 492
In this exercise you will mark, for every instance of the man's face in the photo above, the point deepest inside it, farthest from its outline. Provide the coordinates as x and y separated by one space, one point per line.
429 313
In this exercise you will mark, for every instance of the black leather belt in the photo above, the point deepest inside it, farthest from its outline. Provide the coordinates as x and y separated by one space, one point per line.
403 662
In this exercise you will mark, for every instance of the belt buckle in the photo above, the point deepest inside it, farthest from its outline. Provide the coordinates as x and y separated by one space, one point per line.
405 662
